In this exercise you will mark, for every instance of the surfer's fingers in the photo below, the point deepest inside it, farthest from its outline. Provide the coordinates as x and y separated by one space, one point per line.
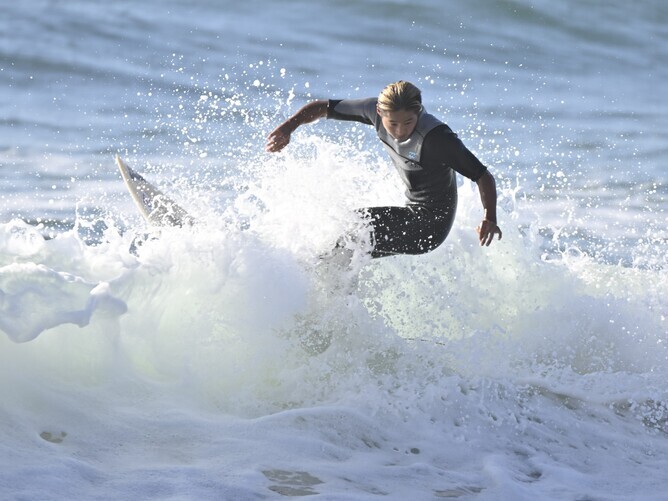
486 231
276 147
483 236
490 235
275 143
488 239
277 140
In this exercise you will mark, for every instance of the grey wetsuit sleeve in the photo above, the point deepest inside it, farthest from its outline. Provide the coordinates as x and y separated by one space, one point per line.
442 147
357 110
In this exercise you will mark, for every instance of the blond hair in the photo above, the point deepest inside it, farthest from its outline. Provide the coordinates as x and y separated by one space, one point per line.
400 95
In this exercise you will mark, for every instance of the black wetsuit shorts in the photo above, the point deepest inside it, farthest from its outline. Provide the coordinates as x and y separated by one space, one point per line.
411 229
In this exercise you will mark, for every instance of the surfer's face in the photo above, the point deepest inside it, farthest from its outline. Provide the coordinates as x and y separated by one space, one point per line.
400 124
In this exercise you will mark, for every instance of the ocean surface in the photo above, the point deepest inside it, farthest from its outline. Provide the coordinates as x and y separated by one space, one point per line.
221 361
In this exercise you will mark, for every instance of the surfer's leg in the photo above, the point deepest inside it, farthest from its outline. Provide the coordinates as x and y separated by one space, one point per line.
413 229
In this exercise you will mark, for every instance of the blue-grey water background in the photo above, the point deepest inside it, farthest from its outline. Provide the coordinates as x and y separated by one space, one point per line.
565 102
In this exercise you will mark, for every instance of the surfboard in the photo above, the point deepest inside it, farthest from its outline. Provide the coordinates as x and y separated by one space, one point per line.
156 207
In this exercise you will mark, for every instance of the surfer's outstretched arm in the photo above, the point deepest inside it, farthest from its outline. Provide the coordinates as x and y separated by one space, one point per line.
488 228
280 136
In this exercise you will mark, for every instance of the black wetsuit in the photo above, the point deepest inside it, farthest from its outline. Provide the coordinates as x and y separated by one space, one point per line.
427 162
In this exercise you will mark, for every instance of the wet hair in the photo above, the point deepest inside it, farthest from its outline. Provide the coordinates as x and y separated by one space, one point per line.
400 95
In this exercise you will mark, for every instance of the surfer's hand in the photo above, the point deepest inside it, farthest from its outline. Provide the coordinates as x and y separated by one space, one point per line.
278 139
280 136
486 231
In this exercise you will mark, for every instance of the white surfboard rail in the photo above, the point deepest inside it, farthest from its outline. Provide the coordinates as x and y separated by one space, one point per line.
156 207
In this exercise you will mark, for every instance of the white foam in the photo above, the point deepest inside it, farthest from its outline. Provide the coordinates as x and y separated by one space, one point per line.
216 363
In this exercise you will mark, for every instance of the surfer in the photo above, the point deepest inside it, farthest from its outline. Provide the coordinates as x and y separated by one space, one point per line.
425 152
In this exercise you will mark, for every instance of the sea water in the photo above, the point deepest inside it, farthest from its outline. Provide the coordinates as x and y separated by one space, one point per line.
219 361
